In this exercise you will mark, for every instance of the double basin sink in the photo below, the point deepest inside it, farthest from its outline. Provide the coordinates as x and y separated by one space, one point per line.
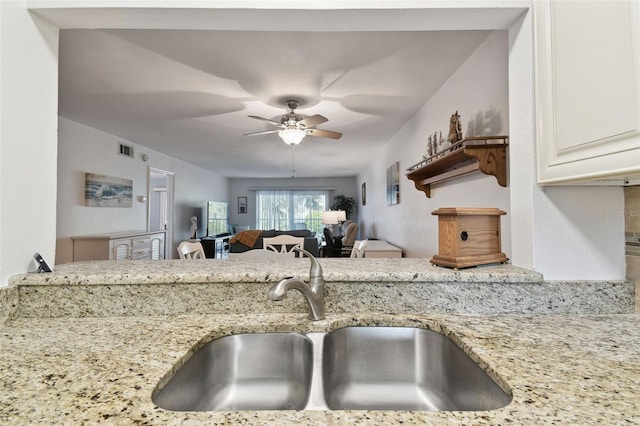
352 368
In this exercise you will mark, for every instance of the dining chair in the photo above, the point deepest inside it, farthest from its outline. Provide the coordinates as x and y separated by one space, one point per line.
191 250
262 254
330 249
349 239
358 249
282 243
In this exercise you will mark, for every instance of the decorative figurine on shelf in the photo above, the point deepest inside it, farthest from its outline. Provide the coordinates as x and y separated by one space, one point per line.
429 148
436 147
446 145
194 227
455 129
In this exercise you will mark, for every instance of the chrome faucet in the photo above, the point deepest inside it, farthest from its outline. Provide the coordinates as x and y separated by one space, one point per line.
313 292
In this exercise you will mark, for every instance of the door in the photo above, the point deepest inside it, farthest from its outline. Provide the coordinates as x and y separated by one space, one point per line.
160 205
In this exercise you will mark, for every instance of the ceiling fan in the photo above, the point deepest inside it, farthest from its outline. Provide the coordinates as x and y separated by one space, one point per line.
292 127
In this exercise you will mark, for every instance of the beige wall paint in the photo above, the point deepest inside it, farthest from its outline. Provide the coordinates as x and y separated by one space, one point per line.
83 149
478 90
28 113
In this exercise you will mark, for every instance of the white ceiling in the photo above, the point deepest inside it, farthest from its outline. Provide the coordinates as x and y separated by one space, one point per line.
188 93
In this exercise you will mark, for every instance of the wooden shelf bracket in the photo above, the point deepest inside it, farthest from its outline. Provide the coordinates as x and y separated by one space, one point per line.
487 154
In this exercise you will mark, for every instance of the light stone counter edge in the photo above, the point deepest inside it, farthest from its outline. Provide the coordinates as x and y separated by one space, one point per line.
236 270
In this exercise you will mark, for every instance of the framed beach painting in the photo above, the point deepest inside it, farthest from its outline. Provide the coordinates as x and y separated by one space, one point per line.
107 191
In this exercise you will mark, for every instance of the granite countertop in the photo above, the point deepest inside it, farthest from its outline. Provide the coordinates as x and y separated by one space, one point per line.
561 369
251 270
194 287
90 342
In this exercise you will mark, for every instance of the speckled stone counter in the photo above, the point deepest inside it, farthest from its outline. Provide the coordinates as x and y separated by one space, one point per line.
413 286
90 342
268 270
570 370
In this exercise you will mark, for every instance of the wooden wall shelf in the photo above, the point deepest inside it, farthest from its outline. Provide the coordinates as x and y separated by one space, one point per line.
487 154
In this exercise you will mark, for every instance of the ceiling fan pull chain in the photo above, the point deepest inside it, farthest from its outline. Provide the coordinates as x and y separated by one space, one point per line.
293 161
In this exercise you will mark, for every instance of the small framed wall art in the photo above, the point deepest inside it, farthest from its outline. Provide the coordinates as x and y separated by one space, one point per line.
242 205
393 184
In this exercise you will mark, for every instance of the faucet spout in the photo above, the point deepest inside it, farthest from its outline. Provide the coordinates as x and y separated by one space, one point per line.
312 292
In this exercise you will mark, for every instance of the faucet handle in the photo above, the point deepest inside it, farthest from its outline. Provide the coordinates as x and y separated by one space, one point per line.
316 268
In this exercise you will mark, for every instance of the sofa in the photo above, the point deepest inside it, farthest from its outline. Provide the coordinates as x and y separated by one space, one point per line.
310 240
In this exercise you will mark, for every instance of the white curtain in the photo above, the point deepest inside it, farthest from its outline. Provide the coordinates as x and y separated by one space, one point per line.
291 209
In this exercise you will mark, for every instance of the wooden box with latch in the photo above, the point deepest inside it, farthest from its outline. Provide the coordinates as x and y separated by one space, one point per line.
468 237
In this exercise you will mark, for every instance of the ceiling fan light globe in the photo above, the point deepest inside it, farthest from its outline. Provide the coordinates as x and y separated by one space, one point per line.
292 136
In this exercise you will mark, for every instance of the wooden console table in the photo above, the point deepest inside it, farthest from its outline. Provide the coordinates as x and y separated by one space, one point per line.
135 245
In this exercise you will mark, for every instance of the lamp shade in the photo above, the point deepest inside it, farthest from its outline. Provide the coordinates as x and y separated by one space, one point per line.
342 215
292 136
330 217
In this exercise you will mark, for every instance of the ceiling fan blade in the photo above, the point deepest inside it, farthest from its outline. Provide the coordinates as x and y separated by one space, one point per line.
323 133
266 132
275 123
313 121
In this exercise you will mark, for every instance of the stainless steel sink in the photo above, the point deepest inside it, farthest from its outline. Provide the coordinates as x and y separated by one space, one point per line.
353 368
243 372
398 368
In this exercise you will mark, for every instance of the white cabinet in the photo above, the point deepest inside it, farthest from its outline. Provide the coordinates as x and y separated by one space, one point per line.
157 244
118 249
135 245
587 66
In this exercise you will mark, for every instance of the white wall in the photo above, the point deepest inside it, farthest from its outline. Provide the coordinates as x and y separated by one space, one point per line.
577 233
29 88
82 149
240 188
522 176
478 90
562 232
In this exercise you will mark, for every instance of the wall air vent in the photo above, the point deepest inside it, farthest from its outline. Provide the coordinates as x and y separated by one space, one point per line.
125 150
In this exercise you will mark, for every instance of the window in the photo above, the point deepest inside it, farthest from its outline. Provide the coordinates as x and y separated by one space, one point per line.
291 209
217 218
